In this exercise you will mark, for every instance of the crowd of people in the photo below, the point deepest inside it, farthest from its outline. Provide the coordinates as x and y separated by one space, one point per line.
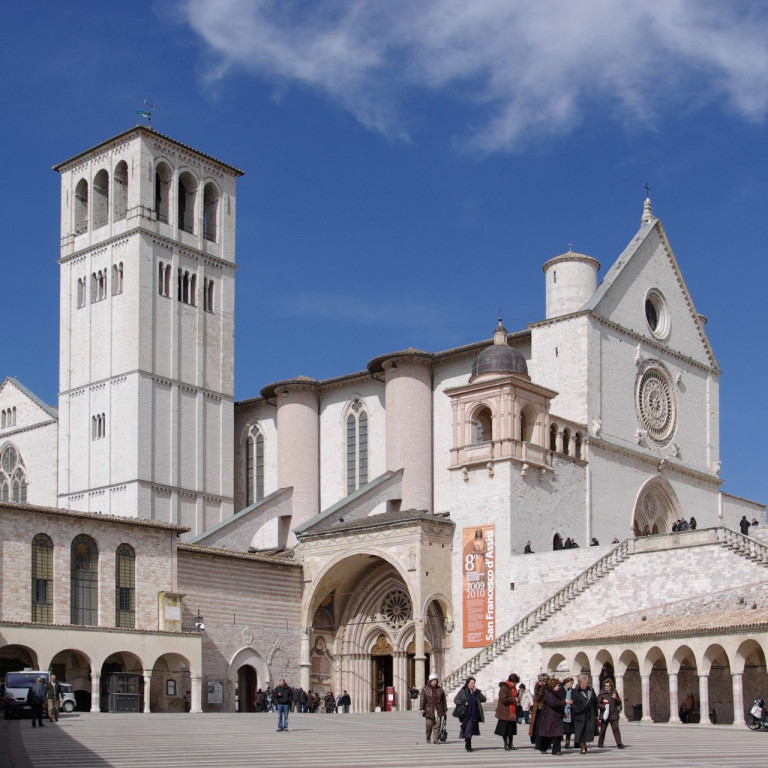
283 699
555 709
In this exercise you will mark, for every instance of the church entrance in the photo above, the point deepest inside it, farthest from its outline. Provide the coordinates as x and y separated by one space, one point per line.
382 672
246 688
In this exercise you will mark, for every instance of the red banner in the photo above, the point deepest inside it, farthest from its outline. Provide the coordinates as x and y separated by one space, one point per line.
479 585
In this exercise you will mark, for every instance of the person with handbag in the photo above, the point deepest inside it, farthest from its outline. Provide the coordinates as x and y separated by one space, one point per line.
609 707
434 707
469 710
506 711
583 712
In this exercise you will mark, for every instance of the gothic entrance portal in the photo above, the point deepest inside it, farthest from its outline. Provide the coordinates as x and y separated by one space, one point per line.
246 688
382 675
656 508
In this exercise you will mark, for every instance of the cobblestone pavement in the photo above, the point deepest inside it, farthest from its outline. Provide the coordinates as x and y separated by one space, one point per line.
390 740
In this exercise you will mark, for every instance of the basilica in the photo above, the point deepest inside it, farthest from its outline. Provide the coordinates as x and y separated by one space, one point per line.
511 504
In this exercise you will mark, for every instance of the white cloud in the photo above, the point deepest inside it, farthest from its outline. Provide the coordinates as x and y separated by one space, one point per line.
523 68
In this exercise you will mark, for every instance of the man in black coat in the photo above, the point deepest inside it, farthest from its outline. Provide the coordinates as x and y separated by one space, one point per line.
36 698
282 696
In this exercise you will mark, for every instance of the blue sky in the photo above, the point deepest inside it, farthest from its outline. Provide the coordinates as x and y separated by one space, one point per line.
410 166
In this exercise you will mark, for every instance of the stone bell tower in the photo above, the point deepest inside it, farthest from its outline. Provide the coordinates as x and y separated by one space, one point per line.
146 369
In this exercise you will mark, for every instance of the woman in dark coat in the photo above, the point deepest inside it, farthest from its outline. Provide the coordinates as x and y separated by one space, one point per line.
583 713
551 727
471 699
609 707
506 711
537 707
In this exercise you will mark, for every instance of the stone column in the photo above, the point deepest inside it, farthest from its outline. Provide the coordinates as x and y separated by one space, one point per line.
419 655
147 673
738 699
645 691
674 705
95 692
196 699
704 699
304 663
619 679
596 683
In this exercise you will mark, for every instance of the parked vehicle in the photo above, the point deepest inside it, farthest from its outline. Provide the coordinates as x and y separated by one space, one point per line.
17 685
68 701
757 717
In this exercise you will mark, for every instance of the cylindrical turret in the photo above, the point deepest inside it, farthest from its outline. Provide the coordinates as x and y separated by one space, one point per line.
571 280
298 445
408 394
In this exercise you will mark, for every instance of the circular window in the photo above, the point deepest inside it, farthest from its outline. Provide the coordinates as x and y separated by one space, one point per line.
396 608
657 314
655 403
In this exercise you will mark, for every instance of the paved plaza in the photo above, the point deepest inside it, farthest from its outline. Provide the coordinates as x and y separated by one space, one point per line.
393 740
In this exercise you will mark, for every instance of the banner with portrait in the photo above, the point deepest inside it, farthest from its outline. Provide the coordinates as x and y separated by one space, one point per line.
479 585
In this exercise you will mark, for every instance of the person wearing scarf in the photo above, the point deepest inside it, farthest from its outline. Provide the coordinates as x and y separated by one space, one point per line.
609 706
506 711
583 713
471 699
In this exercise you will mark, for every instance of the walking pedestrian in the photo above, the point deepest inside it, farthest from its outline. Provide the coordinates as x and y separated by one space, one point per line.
583 713
36 699
567 714
609 703
433 707
53 694
346 701
469 705
525 701
506 711
551 726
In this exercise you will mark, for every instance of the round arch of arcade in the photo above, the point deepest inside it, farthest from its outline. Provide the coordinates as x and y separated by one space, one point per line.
367 632
118 681
695 679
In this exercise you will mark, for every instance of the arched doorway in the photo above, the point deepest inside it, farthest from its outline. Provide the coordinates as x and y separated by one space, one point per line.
755 675
658 685
122 683
382 672
720 685
656 506
246 688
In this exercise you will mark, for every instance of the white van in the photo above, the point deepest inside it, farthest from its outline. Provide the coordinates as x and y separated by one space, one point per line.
17 685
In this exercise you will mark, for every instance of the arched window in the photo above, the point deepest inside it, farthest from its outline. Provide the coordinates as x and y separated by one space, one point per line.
81 292
84 598
81 207
566 441
125 586
42 579
3 423
483 426
187 287
120 190
100 199
210 211
13 477
163 176
208 294
117 278
553 437
254 467
357 446
527 424
164 280
187 198
577 440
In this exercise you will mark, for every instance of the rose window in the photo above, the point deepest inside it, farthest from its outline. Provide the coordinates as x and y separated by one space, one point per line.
656 404
396 608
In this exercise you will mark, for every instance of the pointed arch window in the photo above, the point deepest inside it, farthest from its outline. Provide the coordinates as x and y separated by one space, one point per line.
42 579
210 212
13 476
84 582
254 467
117 279
125 586
357 446
163 176
186 202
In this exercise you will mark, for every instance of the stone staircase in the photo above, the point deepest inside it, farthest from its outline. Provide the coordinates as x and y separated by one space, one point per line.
539 615
746 546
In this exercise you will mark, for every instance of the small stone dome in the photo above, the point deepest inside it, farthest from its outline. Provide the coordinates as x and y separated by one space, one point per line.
500 357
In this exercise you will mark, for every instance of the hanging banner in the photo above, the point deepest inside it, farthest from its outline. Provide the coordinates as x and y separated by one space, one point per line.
479 585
